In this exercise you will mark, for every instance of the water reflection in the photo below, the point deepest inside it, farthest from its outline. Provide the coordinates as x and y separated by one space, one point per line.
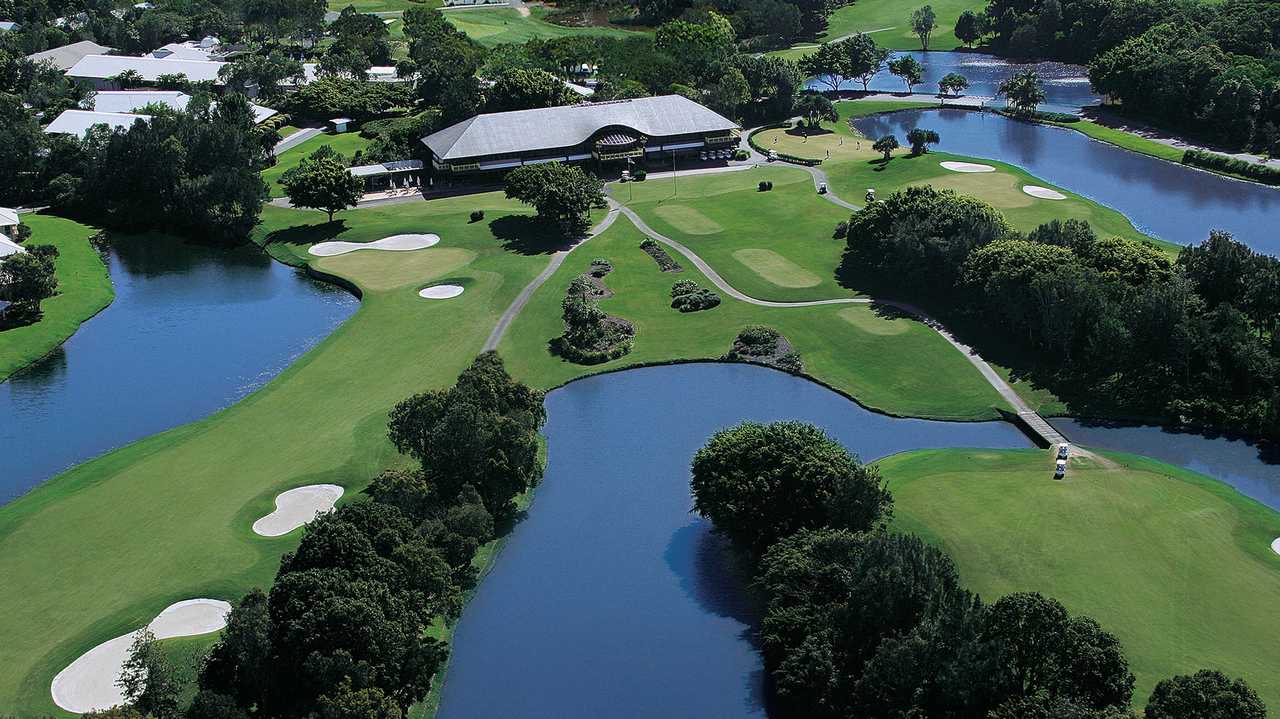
1163 199
192 329
611 599
1250 467
1066 86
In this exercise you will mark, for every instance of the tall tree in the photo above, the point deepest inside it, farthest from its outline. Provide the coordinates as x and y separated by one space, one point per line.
968 27
322 182
1207 694
921 139
923 22
907 68
561 193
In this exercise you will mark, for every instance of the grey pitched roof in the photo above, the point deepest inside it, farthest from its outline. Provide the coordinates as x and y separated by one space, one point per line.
102 67
78 122
130 100
506 133
66 56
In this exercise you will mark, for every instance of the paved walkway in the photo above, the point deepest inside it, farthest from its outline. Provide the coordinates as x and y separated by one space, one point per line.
522 299
296 139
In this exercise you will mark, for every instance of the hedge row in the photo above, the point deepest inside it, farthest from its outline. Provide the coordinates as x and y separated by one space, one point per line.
1223 163
751 140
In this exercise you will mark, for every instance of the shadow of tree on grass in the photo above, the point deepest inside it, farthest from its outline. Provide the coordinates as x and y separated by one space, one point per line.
528 235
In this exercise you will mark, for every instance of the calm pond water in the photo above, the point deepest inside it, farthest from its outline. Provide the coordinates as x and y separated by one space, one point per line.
1251 468
611 598
1066 86
1163 199
192 329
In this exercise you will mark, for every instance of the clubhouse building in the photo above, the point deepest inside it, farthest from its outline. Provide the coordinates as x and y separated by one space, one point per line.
597 132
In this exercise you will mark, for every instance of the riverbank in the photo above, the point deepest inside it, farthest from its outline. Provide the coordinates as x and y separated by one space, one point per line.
1176 564
84 290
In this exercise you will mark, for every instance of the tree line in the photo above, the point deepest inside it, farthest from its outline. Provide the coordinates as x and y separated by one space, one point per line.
861 621
1111 325
1209 69
343 631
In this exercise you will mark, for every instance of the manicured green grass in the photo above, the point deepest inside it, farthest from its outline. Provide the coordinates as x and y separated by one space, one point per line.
790 221
1127 140
287 130
896 365
498 26
346 144
889 23
100 549
1177 565
84 289
381 5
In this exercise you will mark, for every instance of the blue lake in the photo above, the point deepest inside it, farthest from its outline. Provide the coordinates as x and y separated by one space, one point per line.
192 330
1163 199
611 599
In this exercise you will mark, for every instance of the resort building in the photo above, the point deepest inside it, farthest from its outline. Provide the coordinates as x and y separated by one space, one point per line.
78 122
67 56
134 100
98 70
616 131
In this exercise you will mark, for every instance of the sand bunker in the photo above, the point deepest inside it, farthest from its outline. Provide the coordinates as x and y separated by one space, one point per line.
296 507
967 167
398 243
1043 193
439 292
89 683
1275 545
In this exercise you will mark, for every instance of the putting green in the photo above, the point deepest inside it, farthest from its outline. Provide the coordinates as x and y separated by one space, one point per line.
688 219
1175 564
998 189
390 270
775 268
869 320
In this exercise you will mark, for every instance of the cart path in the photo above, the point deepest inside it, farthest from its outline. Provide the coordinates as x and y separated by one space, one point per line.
1026 416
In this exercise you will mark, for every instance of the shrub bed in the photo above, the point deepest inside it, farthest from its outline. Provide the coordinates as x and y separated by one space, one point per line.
687 296
1223 163
659 255
766 346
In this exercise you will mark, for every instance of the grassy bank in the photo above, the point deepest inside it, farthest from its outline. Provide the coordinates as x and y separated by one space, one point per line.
168 517
896 365
347 144
889 23
1175 564
84 290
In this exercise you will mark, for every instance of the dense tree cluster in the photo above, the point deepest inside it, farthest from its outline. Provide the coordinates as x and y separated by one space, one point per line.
763 24
1206 68
1111 324
863 622
342 632
26 278
562 194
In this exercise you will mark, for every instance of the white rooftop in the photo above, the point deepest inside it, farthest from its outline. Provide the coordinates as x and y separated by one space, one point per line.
125 101
78 122
8 25
67 55
181 51
8 217
9 247
102 67
386 168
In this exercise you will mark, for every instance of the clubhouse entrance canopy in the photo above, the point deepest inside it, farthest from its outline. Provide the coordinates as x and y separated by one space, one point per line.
618 130
389 175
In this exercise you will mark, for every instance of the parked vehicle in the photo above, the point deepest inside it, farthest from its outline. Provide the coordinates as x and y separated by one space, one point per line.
1060 470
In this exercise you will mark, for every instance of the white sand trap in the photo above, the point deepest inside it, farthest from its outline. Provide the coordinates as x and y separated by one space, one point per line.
399 243
296 507
89 683
1275 545
440 292
1043 193
967 167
